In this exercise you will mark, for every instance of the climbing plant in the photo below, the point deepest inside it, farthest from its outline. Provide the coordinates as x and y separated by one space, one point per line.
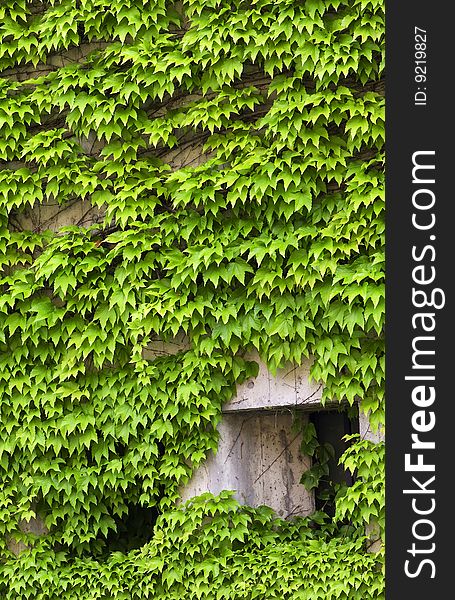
209 171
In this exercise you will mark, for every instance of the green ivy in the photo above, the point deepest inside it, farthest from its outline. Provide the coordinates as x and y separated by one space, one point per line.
222 166
213 548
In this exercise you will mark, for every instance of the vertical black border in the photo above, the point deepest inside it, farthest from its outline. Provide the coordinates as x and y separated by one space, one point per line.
411 128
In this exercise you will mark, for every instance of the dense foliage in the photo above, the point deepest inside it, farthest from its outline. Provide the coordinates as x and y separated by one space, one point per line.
218 167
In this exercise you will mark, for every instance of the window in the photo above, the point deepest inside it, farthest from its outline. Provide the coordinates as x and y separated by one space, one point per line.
331 426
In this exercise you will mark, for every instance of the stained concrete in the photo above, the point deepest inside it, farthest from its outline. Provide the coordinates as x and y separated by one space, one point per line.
367 432
258 453
34 526
259 458
290 388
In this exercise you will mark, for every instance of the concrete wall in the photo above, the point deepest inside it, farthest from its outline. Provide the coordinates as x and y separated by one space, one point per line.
258 454
34 526
258 457
259 450
290 388
367 433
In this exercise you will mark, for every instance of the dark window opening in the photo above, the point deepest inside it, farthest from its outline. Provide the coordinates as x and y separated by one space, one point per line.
331 426
134 529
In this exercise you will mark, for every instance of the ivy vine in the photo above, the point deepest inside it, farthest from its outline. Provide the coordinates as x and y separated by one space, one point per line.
212 169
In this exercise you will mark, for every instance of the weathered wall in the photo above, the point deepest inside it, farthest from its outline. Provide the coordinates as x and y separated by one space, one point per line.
259 450
35 526
367 433
290 388
258 457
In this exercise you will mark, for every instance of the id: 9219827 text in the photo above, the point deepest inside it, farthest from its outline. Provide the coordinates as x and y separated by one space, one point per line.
420 66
